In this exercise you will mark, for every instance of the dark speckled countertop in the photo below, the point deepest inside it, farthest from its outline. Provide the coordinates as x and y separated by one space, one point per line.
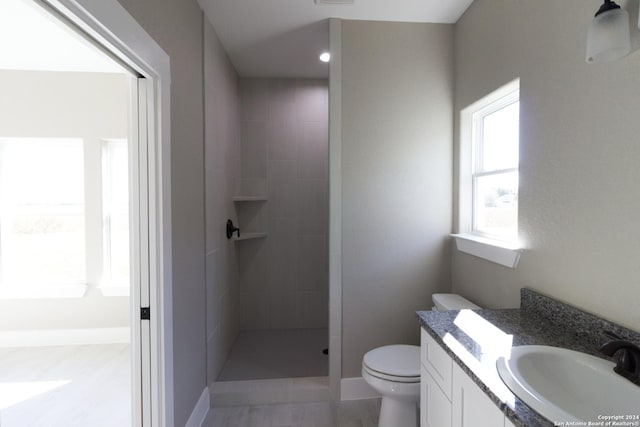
476 338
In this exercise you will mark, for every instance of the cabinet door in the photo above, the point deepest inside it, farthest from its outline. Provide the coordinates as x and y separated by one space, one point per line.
471 407
437 362
435 408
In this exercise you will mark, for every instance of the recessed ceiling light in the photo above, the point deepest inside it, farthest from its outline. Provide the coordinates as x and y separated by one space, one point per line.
325 57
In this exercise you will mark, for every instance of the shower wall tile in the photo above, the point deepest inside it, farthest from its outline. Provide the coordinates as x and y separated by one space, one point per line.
282 136
253 100
281 250
281 90
312 264
253 265
312 99
255 310
312 309
254 150
282 310
214 362
284 278
313 151
312 206
282 189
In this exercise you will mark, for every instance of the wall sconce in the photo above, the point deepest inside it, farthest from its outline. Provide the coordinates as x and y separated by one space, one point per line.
609 37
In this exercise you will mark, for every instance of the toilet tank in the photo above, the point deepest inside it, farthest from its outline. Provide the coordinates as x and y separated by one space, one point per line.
451 302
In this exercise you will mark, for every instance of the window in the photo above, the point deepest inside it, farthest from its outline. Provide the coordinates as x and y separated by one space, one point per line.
488 184
495 169
52 242
42 213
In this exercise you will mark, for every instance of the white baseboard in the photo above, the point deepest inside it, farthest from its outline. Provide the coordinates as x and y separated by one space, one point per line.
200 411
356 389
54 337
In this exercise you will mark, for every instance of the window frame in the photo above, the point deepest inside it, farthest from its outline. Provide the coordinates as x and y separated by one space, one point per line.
468 239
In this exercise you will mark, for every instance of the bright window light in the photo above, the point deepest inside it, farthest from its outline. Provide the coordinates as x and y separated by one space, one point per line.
42 212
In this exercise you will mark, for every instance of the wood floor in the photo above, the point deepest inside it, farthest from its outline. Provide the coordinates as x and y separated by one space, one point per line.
356 413
67 386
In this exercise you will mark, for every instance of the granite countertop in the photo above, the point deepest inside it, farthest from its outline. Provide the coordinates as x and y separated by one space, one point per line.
475 339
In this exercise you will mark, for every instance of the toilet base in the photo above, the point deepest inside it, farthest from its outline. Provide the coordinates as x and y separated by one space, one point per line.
398 413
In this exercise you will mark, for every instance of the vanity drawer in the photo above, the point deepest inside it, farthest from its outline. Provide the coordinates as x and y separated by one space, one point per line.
436 361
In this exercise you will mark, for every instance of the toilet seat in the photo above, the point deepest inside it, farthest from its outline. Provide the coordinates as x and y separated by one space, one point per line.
398 363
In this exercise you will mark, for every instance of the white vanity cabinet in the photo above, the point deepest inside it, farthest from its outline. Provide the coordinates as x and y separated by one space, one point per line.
432 397
471 406
448 397
435 383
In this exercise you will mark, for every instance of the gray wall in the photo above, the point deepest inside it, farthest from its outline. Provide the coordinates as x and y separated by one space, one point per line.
222 170
284 139
91 106
177 27
579 151
397 85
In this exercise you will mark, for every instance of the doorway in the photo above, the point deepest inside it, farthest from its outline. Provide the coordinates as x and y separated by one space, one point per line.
74 251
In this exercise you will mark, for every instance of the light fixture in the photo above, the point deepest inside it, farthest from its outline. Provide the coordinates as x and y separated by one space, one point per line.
609 37
325 57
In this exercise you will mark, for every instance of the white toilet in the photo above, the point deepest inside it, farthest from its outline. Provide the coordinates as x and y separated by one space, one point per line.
394 372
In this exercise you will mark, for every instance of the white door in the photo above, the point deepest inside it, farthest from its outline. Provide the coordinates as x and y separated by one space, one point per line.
139 167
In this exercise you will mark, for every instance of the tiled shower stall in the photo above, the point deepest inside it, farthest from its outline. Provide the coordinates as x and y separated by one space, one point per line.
267 170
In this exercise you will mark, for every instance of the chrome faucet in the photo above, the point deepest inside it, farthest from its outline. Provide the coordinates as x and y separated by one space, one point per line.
628 361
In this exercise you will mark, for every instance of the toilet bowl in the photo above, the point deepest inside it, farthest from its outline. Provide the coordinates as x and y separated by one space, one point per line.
394 372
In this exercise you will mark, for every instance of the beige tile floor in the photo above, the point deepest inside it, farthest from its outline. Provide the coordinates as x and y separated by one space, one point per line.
287 353
66 386
356 413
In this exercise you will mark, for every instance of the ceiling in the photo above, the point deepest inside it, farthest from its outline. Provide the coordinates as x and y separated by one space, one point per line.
283 38
31 39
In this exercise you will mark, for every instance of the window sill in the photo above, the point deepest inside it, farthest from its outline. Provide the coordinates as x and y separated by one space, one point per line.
492 250
42 292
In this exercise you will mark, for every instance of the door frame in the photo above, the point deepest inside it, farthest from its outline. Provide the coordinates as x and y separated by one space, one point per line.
115 30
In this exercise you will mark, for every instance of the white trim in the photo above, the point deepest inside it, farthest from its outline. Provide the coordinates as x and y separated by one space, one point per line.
507 254
42 292
200 411
335 208
356 389
58 337
116 30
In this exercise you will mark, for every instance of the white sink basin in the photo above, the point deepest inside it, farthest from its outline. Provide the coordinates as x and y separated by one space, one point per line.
564 385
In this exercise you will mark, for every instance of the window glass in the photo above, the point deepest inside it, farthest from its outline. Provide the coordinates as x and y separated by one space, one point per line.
500 138
42 212
496 205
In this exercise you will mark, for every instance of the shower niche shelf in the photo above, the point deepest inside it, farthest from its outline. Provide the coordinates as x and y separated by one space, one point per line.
249 236
240 199
251 213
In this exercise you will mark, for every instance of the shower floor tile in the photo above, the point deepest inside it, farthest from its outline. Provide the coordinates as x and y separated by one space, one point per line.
288 353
